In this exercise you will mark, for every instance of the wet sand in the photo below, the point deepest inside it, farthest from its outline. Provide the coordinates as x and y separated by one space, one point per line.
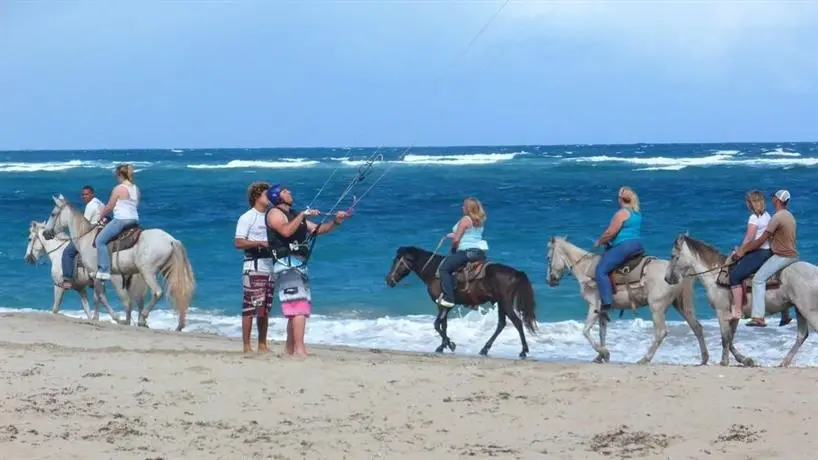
76 390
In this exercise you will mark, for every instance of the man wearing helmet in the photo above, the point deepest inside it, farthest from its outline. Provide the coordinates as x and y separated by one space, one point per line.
288 234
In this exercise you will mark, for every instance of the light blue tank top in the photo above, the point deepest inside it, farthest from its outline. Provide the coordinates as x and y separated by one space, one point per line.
472 238
631 228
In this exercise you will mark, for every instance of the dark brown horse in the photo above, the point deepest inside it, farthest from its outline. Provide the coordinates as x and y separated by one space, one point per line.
478 282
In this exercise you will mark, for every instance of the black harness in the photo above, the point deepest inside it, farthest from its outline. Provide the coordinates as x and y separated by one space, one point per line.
296 244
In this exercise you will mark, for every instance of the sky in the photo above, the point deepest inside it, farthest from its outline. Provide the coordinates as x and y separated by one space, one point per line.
206 74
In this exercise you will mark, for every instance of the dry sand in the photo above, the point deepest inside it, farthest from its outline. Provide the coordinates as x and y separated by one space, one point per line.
76 390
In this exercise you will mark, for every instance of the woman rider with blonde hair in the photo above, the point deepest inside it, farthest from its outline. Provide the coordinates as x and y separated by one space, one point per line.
123 202
467 245
624 239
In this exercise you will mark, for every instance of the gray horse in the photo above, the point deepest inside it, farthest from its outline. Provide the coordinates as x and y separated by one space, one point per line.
795 285
639 282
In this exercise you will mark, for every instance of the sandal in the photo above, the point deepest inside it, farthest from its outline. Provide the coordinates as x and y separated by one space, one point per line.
756 323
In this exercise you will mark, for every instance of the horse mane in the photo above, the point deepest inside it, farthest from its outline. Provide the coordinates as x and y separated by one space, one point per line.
709 254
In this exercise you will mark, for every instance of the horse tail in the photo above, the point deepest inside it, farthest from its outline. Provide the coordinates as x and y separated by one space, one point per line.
180 281
524 295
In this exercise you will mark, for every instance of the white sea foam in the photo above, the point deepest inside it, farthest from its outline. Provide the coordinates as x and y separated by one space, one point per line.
472 159
628 340
717 158
779 152
52 166
277 164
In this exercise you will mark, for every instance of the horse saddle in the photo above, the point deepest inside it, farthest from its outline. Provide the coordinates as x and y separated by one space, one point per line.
126 239
473 270
631 270
723 279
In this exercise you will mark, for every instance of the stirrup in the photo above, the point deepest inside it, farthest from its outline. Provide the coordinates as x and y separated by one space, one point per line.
442 302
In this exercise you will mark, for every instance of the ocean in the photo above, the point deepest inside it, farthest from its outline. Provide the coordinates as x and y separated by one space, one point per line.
530 193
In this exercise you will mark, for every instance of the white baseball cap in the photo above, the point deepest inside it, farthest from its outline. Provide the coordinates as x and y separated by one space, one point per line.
782 195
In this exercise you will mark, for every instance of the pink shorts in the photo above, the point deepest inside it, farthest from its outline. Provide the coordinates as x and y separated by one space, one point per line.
296 308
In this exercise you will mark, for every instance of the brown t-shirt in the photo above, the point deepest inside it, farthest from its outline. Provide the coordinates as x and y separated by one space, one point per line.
782 234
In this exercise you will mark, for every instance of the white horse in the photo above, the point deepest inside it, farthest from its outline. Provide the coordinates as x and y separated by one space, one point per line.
796 285
37 246
153 251
640 282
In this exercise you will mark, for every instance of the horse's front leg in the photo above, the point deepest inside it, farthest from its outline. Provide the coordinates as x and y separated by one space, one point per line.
59 292
124 296
441 324
593 315
84 301
731 325
99 293
657 311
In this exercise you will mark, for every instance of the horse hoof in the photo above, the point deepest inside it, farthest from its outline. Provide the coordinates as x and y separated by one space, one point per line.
748 362
95 318
439 349
452 345
724 363
523 354
484 352
179 328
642 361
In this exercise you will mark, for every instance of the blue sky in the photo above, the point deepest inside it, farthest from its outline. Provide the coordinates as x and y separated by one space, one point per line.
283 73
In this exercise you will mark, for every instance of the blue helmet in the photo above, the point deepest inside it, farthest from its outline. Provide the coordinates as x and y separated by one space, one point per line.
274 194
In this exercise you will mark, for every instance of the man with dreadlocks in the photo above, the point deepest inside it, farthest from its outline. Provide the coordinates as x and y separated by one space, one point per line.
289 235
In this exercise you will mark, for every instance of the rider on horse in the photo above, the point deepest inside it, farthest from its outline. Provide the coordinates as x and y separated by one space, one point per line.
467 245
123 202
623 238
92 213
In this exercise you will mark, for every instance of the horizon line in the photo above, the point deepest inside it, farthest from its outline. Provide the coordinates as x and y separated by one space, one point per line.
405 147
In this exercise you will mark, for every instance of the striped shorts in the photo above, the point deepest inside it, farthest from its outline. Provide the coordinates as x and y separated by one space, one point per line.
258 293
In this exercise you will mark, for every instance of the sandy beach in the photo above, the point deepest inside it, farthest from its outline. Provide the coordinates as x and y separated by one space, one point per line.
76 390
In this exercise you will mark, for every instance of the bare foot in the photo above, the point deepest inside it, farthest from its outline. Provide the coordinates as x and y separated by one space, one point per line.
248 348
262 347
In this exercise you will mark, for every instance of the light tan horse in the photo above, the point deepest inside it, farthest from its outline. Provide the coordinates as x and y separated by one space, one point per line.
795 285
152 252
134 290
639 282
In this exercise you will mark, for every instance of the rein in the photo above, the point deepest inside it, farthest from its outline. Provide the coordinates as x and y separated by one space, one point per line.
718 267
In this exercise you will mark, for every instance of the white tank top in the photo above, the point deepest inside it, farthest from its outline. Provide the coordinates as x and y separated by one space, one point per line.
126 209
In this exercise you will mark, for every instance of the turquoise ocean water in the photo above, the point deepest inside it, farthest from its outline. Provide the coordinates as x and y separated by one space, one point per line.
530 193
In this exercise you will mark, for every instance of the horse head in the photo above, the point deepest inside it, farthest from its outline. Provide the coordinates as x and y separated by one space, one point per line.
401 266
557 263
680 260
34 247
58 218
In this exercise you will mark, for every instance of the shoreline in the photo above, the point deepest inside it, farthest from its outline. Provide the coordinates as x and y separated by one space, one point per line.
74 389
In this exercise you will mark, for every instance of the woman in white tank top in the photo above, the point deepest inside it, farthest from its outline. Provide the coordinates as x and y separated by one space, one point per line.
123 202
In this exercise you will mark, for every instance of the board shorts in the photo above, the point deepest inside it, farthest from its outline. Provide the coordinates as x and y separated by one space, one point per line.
294 292
258 293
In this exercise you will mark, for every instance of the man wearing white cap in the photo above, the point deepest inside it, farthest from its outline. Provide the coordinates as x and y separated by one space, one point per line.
781 233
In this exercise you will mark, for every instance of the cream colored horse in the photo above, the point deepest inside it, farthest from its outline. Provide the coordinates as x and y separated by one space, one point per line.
651 291
155 252
37 246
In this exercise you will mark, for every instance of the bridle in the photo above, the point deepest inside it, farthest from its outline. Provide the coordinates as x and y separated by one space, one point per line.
568 264
398 263
55 214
